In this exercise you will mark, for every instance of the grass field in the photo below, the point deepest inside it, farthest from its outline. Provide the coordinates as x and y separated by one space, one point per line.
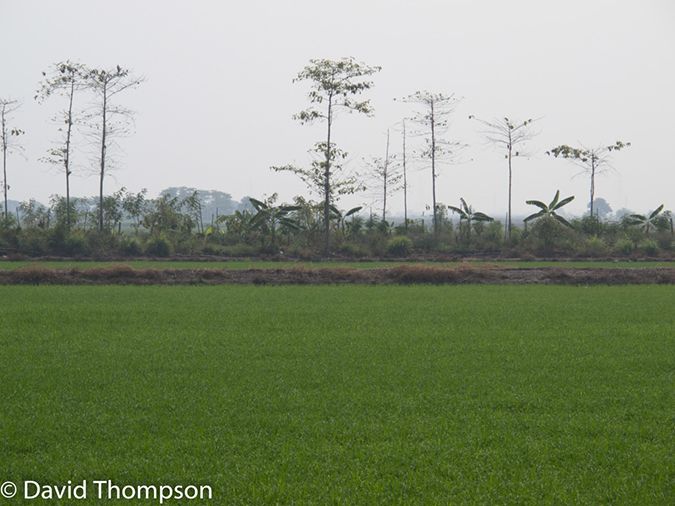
249 264
343 394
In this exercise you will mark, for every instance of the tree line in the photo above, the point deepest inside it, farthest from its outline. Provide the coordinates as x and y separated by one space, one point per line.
184 221
335 86
102 122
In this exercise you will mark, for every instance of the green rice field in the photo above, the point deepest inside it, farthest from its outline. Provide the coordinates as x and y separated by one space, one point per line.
342 395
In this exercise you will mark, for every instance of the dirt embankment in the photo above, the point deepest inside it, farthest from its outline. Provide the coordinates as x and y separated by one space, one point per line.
121 274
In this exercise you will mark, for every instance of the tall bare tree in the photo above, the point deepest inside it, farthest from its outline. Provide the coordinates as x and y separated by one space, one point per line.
10 137
591 161
507 135
334 86
66 79
108 119
433 121
384 177
405 177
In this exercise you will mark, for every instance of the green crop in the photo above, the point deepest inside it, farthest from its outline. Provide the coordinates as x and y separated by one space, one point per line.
344 394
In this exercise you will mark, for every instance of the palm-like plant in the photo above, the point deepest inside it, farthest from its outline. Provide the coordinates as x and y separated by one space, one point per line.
467 214
550 210
238 223
339 219
269 217
646 222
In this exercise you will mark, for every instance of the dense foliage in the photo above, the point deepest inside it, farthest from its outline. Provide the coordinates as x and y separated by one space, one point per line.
185 223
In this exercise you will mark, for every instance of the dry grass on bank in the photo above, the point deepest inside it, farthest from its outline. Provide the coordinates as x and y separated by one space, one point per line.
300 275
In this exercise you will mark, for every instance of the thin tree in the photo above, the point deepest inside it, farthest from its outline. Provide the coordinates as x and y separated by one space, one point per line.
135 206
383 174
507 136
433 122
66 78
591 161
334 86
405 178
10 136
109 120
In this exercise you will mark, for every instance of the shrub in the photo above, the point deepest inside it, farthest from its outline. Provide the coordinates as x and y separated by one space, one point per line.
184 243
130 247
268 248
238 250
212 249
665 241
650 247
33 241
351 249
624 246
58 238
493 238
612 229
101 241
425 242
549 230
76 243
158 246
518 235
399 246
401 230
635 234
375 244
302 254
9 237
662 223
591 225
596 247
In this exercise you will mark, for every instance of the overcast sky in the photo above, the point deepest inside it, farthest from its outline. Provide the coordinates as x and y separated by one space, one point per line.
215 111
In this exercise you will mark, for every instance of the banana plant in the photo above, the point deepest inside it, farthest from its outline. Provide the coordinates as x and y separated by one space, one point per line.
550 210
238 223
467 214
646 222
269 217
339 218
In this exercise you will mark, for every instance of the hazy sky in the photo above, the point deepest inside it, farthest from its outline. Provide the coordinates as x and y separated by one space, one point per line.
215 111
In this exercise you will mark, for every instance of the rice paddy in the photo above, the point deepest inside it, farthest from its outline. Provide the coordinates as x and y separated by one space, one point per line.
343 394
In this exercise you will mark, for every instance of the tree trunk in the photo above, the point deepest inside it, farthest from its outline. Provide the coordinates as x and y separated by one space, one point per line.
326 210
4 159
405 184
67 158
433 168
386 175
592 181
510 181
103 150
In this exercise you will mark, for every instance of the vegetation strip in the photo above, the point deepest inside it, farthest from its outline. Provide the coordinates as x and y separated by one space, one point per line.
299 275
